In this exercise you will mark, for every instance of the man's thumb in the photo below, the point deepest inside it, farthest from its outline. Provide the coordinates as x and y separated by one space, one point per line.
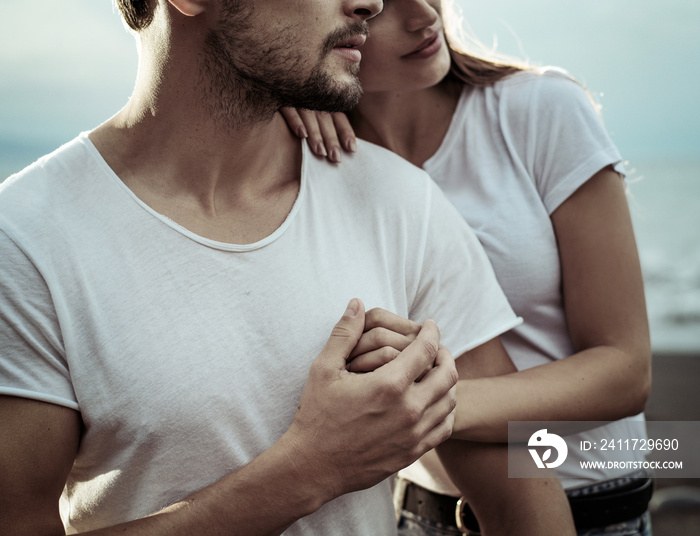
346 333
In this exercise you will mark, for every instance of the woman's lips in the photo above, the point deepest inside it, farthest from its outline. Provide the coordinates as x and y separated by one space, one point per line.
427 48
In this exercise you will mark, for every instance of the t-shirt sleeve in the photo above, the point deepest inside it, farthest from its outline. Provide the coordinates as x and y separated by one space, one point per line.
559 134
32 359
457 287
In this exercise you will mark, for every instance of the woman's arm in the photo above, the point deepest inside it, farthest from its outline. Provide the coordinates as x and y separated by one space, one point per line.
609 376
503 505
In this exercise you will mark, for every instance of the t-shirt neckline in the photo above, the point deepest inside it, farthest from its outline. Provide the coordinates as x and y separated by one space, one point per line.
215 244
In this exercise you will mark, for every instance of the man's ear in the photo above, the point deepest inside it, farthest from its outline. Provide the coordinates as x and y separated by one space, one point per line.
191 8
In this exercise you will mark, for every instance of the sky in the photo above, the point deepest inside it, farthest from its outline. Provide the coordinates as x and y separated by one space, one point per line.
642 55
67 66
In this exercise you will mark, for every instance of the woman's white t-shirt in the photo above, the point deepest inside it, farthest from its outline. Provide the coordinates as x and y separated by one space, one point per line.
513 153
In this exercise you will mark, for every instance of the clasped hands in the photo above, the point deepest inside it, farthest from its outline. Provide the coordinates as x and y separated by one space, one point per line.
354 429
385 336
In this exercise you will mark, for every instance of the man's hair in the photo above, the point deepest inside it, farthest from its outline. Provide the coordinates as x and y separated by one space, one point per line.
138 14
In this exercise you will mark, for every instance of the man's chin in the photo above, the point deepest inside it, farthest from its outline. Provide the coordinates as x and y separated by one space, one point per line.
337 87
336 97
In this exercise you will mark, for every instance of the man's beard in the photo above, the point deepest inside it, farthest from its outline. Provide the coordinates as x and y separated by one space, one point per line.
247 80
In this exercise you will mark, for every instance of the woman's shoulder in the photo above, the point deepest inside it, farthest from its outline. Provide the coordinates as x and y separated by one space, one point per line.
541 86
536 77
527 98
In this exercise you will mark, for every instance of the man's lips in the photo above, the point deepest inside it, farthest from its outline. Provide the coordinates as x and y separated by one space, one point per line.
427 47
353 41
347 48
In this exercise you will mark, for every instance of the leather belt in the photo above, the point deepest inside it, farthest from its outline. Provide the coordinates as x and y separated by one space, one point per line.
443 509
589 511
612 506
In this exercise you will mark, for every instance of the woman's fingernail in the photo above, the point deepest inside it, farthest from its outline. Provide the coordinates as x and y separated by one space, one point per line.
335 154
351 145
301 132
321 149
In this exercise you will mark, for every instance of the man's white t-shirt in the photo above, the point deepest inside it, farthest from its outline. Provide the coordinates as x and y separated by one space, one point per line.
185 356
513 153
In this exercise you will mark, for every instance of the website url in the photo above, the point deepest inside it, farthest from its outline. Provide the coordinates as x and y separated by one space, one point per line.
631 465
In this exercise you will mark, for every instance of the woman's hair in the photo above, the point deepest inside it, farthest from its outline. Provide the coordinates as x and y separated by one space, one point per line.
476 65
472 62
138 14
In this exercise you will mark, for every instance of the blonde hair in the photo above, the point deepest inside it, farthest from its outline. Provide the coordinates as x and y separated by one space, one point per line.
473 63
477 65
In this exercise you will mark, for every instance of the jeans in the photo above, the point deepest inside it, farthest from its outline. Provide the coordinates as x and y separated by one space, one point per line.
413 525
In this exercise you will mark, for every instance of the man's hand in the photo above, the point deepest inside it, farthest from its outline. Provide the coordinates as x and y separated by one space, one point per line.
355 430
350 432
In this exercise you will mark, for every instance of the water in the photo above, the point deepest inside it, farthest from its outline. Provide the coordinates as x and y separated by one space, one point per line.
665 204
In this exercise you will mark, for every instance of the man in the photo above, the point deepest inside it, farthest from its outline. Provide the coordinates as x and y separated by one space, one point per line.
170 280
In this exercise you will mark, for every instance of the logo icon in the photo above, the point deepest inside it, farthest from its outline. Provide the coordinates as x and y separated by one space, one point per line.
543 439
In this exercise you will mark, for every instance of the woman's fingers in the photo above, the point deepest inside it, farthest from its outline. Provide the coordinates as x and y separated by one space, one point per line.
326 133
323 138
380 337
386 335
381 318
372 360
329 136
313 128
294 122
345 133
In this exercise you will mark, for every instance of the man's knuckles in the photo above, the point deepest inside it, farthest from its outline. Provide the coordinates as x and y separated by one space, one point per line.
427 347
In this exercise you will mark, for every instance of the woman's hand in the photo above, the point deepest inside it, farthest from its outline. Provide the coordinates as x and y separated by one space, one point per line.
384 337
326 133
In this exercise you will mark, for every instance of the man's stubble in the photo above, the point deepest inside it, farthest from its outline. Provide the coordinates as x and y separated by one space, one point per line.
248 74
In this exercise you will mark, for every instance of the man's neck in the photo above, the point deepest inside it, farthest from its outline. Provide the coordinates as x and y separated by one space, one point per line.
228 183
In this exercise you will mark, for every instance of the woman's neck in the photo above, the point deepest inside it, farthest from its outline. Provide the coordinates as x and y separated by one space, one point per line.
412 123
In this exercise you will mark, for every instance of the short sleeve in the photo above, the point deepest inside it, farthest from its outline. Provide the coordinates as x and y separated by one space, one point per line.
458 288
556 128
32 359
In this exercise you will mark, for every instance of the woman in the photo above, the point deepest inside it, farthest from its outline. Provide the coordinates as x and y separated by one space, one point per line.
523 155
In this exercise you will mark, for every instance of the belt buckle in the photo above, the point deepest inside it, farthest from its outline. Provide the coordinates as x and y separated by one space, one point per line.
459 511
